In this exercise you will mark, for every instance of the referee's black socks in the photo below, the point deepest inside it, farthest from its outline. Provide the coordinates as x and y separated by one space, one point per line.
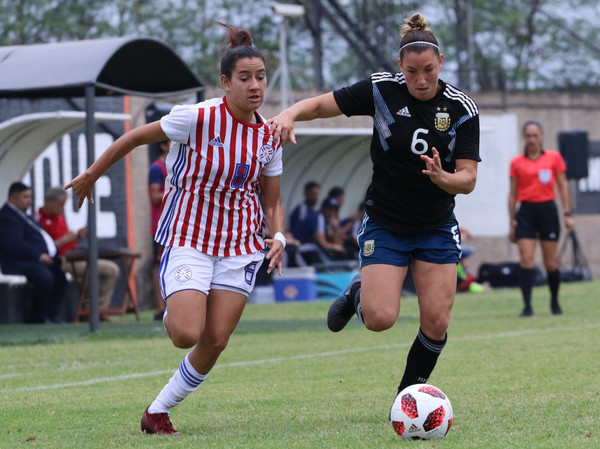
554 284
421 360
526 276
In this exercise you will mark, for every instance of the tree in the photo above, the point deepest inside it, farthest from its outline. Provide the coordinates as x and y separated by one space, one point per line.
489 44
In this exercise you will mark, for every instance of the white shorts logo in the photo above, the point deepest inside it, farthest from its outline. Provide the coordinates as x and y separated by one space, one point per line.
265 154
183 273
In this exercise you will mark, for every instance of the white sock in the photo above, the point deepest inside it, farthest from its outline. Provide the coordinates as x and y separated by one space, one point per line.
185 380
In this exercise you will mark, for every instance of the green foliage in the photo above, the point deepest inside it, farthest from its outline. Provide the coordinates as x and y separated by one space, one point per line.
516 45
286 382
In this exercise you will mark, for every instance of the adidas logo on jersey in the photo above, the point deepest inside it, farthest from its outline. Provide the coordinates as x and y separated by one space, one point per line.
216 142
404 112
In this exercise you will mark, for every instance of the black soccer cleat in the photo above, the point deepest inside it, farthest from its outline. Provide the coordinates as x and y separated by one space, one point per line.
342 307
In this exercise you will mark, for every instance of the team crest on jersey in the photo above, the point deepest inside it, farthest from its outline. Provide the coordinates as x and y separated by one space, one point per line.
265 153
442 119
183 273
369 247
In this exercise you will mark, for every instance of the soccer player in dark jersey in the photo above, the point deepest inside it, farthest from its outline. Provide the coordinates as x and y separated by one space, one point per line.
425 150
532 187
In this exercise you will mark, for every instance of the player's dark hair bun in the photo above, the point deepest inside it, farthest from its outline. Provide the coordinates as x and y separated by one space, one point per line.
236 37
239 43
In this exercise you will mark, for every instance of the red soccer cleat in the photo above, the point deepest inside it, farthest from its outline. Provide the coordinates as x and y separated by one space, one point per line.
157 423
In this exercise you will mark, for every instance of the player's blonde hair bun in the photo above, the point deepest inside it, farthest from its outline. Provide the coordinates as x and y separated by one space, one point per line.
415 22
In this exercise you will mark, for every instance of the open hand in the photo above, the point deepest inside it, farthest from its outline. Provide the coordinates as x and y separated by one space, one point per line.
274 255
433 166
82 186
282 127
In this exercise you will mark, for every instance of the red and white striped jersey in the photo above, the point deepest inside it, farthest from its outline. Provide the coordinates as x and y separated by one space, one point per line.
211 198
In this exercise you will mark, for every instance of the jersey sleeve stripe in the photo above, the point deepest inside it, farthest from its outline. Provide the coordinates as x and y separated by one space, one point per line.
386 76
383 118
467 102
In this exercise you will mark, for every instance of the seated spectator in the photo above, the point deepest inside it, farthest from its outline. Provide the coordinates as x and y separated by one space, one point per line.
338 194
327 234
51 218
349 228
26 249
303 221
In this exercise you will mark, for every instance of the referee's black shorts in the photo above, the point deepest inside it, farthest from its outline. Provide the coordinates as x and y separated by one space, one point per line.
538 220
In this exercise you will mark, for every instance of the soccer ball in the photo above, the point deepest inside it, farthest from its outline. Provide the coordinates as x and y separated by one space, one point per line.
421 412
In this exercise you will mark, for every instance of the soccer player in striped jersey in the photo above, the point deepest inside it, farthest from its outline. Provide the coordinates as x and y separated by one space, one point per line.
425 150
222 185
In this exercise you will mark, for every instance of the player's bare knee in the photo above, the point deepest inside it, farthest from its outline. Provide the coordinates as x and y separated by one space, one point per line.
184 339
378 322
215 345
436 328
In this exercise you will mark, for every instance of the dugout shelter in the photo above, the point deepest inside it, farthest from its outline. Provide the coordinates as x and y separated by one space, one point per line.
83 69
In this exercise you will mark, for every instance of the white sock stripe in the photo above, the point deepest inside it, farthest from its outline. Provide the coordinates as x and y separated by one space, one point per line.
432 347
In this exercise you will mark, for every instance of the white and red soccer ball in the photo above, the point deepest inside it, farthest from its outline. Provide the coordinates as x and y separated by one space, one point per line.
421 412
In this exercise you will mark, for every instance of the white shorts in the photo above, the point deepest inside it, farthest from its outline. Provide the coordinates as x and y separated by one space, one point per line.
189 269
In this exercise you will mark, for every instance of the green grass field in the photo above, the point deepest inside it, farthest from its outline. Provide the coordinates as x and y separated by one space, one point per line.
285 381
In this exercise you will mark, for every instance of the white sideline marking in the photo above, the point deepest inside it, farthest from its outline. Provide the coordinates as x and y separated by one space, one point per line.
294 357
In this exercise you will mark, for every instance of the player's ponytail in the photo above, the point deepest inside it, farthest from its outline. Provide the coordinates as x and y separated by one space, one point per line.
240 46
417 36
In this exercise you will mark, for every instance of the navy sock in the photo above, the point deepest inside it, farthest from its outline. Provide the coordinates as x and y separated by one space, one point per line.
421 360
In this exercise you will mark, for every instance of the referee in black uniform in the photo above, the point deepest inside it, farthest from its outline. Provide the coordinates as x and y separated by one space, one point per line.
425 150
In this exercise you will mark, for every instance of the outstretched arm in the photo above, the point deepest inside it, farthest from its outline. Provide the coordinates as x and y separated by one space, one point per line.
282 125
272 205
82 185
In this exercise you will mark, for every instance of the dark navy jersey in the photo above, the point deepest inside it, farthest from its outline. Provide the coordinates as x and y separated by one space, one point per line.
400 197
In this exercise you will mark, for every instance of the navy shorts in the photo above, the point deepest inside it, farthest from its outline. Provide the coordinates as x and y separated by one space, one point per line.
538 220
379 246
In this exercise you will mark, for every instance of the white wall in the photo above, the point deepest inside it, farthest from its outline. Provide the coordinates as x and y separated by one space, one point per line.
484 212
